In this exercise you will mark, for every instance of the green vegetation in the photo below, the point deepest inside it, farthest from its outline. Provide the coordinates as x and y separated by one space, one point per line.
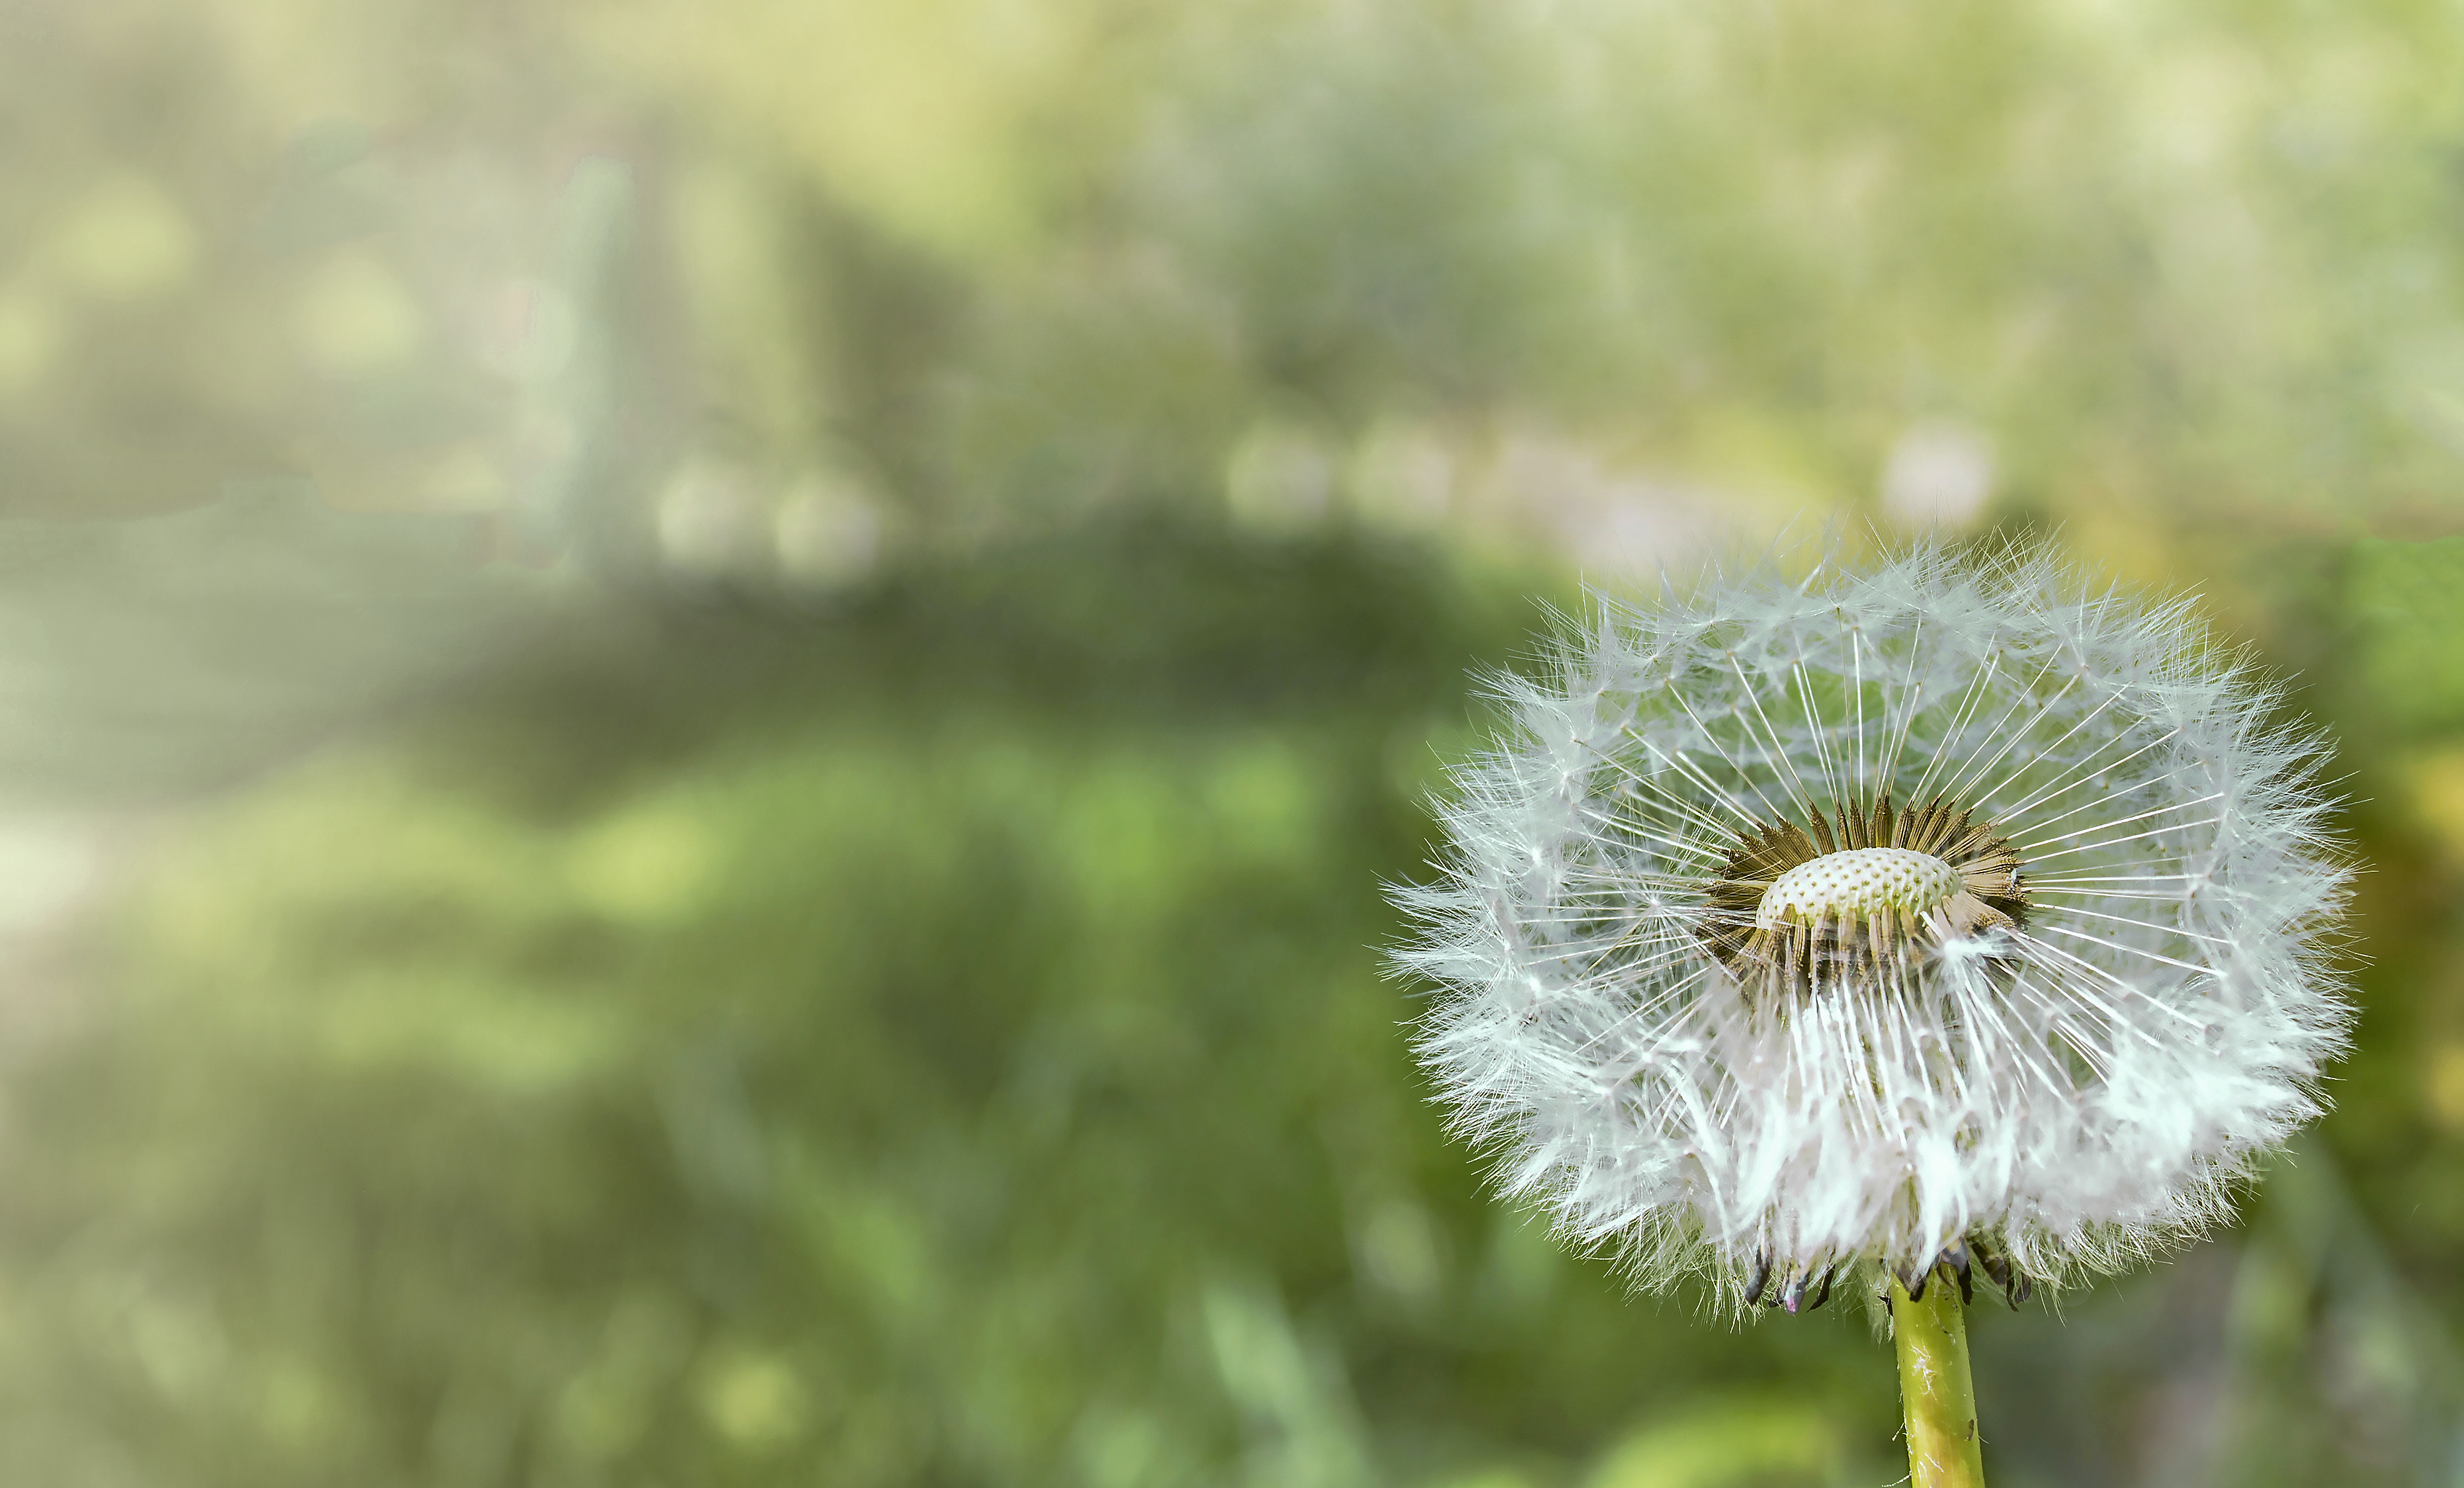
816 624
711 1057
702 1054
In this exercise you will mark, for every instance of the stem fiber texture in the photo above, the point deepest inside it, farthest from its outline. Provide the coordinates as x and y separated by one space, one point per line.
1935 1393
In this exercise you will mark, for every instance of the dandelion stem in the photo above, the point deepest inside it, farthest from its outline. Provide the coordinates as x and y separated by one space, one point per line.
1935 1395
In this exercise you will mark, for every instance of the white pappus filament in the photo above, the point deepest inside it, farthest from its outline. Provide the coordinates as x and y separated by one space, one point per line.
1946 911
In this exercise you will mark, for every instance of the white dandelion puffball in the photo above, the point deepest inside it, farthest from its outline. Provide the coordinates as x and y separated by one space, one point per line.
1950 911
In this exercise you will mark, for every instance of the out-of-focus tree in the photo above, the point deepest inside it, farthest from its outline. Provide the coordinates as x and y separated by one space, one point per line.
821 278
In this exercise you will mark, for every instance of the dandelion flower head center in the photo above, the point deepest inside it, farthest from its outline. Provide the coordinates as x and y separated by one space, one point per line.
1857 884
1860 895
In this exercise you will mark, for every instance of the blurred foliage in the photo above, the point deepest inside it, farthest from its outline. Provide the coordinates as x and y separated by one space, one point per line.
2407 598
826 616
705 1058
697 1052
982 264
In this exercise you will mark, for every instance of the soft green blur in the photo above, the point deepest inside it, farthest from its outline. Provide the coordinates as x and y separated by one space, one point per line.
705 703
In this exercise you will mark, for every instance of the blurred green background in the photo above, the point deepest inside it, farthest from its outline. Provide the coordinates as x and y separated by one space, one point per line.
704 702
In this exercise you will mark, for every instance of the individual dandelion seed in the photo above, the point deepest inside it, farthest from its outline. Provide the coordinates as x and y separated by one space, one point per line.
1946 915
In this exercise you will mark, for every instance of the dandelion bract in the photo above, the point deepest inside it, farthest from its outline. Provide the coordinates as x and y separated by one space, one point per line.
1949 910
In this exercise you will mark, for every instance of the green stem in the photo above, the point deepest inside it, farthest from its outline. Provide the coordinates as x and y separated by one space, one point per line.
1935 1395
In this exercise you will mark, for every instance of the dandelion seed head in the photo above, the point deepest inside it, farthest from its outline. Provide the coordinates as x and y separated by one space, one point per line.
1951 909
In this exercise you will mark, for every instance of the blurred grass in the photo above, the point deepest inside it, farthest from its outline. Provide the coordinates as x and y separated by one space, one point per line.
711 1057
698 1052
